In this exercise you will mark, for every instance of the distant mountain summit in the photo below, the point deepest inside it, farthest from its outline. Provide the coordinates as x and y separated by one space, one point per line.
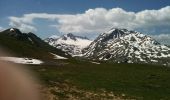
70 43
27 44
124 46
26 37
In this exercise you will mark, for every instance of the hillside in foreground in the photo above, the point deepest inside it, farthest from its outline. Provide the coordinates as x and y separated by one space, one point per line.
108 81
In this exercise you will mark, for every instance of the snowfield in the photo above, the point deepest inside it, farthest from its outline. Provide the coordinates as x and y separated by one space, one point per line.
95 62
57 56
20 60
81 43
69 43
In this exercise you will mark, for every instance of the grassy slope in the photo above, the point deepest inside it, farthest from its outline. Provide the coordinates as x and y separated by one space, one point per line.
26 48
143 81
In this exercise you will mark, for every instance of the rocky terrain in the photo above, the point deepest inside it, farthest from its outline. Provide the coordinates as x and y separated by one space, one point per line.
124 46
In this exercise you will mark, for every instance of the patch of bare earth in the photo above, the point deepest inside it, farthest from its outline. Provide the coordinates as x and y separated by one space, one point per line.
65 91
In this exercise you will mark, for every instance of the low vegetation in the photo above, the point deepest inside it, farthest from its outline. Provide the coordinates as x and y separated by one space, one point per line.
25 48
122 81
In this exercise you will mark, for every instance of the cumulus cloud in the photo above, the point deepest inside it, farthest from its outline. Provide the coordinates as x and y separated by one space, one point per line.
1 28
97 20
22 24
162 38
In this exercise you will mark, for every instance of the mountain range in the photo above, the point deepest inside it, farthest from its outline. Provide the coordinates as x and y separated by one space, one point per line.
116 46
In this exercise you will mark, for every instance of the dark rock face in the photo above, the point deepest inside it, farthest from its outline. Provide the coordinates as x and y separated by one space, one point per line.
71 36
27 44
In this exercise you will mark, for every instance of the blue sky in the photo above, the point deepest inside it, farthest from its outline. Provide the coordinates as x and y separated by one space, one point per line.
49 16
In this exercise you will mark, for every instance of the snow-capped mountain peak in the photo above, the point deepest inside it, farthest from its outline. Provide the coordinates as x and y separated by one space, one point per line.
54 37
69 36
117 33
70 43
11 29
122 45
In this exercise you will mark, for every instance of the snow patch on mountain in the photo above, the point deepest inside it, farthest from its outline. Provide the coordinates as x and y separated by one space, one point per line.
11 29
20 60
54 37
57 56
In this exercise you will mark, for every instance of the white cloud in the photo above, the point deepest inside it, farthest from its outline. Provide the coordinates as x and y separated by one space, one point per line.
97 20
1 28
22 24
162 38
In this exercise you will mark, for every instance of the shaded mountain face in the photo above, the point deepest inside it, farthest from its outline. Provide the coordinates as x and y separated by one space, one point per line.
27 37
124 46
26 44
69 43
